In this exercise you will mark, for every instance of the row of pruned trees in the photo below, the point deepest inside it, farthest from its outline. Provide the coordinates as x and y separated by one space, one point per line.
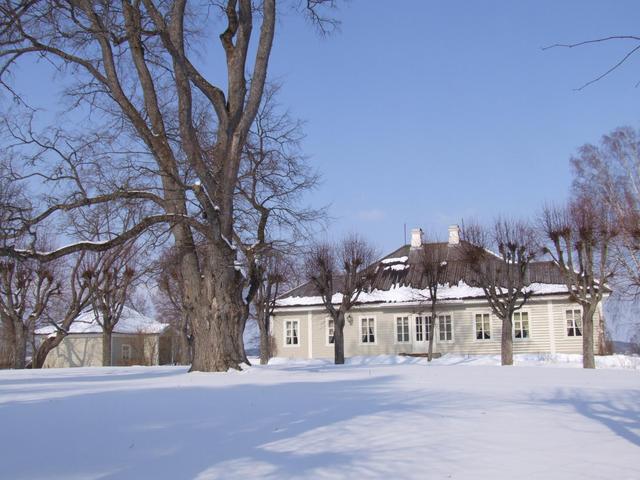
36 294
578 238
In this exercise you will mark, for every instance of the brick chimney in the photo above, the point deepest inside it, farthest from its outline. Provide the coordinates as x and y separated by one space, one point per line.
454 235
416 238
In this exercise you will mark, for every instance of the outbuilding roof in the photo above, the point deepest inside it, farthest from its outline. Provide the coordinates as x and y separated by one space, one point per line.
131 321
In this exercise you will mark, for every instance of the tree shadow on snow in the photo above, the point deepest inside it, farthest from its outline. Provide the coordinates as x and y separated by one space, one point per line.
86 374
619 411
174 431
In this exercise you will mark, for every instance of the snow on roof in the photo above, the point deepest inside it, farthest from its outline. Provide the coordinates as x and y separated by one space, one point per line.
406 294
403 259
130 321
397 267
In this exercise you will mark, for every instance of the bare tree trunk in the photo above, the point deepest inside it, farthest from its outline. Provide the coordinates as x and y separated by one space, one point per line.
48 344
265 340
588 354
215 327
432 332
338 339
239 333
184 356
216 309
602 336
506 345
107 333
214 348
265 347
20 345
7 345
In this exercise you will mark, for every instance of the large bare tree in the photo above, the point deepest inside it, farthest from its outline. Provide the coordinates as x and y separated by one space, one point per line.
503 274
581 237
339 274
273 222
134 63
610 173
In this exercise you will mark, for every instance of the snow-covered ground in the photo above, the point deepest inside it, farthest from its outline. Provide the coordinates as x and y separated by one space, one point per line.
381 417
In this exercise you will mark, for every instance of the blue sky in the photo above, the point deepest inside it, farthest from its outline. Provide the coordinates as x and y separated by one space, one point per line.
426 112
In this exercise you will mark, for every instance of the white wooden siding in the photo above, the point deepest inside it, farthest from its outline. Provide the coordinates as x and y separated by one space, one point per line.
76 351
464 340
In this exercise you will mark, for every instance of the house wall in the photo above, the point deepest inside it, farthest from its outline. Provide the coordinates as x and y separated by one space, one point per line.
278 331
145 349
547 324
76 351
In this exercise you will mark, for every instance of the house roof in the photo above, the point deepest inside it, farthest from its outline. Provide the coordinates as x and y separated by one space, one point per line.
131 321
399 277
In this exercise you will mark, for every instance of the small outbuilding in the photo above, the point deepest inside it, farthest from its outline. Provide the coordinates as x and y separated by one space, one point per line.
136 340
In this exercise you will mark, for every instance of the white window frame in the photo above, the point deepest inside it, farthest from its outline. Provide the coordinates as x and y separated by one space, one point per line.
566 325
284 333
126 346
475 329
453 335
375 330
422 328
407 331
327 330
528 314
432 330
425 321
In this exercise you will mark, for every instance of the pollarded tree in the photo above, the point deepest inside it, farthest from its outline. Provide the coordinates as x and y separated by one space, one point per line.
110 276
74 299
581 237
340 273
434 266
503 275
182 135
26 290
277 272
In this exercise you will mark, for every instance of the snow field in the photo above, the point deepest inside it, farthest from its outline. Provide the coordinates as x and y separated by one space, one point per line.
376 417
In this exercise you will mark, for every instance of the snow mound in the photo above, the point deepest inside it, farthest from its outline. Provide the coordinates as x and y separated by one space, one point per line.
529 359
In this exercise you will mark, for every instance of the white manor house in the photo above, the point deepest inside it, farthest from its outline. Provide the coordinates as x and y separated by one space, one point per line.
392 317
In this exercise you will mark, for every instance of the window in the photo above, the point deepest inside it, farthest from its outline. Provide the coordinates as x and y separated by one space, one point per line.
126 352
429 328
331 328
574 323
446 328
520 325
402 329
419 330
368 330
291 332
424 325
483 326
